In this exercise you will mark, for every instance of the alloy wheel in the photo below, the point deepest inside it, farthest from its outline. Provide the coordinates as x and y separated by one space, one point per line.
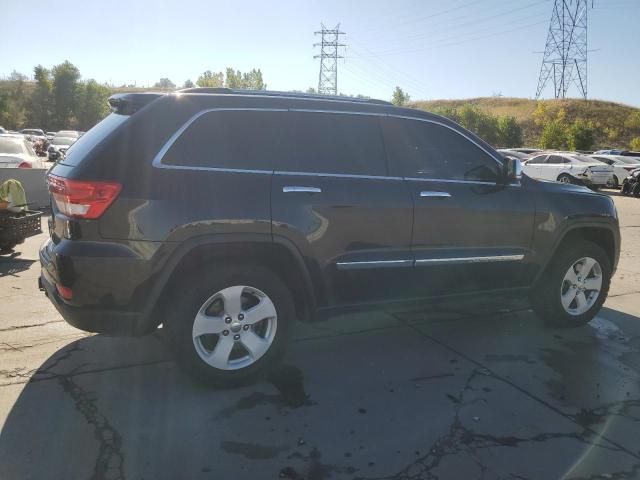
234 327
581 286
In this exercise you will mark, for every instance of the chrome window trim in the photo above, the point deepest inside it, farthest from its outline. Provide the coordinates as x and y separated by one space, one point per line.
337 175
483 259
356 265
157 160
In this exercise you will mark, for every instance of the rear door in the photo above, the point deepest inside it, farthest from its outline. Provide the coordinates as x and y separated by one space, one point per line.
553 167
532 167
333 198
471 232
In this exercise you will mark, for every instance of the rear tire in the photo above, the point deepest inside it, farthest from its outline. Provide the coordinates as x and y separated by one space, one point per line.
613 183
636 190
250 310
563 299
626 188
564 178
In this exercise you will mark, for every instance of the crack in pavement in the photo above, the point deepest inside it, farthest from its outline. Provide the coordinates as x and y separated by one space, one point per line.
109 464
20 327
573 418
464 440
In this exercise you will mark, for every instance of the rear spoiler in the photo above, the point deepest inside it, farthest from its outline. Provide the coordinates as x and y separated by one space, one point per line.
129 103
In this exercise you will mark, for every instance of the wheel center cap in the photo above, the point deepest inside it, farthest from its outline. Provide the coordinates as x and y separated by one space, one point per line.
236 327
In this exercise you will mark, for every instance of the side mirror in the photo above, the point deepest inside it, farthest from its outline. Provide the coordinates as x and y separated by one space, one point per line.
513 168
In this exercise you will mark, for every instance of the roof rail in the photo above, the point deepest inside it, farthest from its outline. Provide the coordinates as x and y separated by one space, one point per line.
274 93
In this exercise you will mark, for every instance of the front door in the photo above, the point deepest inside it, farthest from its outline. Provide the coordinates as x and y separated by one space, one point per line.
471 231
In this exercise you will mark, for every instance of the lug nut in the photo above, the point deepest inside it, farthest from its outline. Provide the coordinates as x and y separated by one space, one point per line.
236 337
245 328
225 332
227 320
241 316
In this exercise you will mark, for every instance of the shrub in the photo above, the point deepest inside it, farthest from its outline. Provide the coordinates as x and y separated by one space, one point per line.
580 135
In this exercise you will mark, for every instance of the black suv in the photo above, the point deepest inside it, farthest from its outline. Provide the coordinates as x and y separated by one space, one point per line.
226 215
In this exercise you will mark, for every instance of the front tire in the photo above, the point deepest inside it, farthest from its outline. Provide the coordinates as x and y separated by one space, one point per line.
613 182
574 287
230 327
635 191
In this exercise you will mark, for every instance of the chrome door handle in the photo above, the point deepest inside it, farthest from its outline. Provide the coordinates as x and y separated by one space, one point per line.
302 189
435 194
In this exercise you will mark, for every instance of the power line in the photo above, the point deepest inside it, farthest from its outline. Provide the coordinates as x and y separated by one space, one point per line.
329 46
565 54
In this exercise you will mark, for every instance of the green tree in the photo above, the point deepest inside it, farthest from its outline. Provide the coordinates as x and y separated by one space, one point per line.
65 89
91 104
553 135
635 144
483 124
399 97
580 135
233 79
41 102
165 84
14 103
210 79
509 132
188 84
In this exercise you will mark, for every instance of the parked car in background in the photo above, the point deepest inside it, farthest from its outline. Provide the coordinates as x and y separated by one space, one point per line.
528 151
68 134
257 220
631 184
2 130
622 166
510 152
624 153
16 152
59 146
33 134
569 168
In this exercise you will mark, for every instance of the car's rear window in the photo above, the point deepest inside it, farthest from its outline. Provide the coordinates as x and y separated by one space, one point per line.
93 137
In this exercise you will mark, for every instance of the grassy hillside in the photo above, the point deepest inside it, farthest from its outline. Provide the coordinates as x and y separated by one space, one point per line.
608 117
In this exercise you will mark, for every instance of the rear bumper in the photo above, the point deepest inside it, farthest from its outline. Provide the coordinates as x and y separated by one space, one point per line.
90 319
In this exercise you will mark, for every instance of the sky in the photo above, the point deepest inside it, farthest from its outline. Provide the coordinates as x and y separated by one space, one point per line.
433 49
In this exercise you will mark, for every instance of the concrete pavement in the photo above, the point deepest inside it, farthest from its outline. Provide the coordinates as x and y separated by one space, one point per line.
444 394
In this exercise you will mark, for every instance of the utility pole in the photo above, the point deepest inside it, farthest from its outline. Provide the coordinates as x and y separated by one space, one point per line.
329 49
565 53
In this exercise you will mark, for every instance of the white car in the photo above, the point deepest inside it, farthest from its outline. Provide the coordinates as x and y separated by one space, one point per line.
622 167
568 168
16 152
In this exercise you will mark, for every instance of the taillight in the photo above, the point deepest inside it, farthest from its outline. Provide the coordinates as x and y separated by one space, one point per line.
628 169
82 199
24 165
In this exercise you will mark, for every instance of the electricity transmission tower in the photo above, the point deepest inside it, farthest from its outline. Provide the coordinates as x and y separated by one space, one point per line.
565 54
329 49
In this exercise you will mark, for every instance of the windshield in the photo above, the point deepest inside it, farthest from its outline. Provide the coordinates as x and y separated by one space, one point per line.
10 146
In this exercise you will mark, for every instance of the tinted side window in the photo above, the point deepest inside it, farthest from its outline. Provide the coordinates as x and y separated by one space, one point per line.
429 150
555 160
537 160
333 143
249 140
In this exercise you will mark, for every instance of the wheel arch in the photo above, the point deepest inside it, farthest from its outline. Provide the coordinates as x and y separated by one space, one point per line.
600 234
277 254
